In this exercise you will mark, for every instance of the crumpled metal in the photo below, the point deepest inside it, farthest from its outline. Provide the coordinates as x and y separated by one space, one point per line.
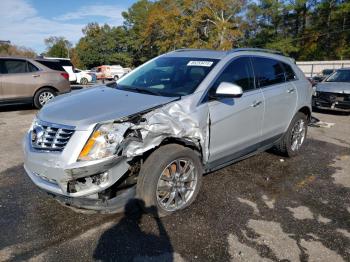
173 120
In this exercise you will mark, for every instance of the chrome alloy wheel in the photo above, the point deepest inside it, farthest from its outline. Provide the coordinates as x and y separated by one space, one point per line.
45 97
298 134
177 184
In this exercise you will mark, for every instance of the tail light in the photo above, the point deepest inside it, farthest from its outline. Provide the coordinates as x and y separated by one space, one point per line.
65 75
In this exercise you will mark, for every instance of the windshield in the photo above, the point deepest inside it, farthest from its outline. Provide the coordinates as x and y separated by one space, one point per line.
339 76
168 76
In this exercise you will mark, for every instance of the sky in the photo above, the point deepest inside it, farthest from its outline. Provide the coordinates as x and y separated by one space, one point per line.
28 22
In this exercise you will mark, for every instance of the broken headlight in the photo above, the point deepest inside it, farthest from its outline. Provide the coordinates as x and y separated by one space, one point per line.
104 141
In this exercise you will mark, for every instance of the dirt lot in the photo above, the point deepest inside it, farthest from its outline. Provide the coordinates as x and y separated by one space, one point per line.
265 208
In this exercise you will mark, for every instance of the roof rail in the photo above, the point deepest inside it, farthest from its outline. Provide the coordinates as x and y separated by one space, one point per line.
192 49
257 50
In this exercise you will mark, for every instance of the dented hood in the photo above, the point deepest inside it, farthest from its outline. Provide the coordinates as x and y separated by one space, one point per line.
90 106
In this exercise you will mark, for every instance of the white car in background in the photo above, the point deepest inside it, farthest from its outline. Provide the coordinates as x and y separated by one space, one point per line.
84 77
67 66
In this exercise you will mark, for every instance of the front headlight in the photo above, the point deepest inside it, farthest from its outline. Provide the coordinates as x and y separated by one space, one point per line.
103 141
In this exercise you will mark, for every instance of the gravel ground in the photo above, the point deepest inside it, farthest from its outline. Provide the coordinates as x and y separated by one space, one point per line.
265 208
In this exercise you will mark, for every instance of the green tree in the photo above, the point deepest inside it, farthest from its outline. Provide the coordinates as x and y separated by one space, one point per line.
57 46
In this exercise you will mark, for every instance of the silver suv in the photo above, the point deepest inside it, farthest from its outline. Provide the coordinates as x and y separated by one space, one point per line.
161 127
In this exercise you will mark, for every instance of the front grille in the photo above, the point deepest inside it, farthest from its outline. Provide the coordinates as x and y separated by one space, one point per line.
50 137
333 97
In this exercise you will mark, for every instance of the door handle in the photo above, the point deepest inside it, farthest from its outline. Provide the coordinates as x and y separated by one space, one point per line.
35 75
291 90
256 103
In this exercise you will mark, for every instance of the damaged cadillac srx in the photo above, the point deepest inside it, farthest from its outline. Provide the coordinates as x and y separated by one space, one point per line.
156 131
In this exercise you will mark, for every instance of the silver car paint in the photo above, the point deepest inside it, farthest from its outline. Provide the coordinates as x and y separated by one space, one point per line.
218 128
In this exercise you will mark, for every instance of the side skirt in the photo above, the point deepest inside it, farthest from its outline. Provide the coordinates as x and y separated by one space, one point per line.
241 155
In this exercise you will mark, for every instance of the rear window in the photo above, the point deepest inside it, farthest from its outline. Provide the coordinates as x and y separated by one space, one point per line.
290 75
64 62
54 65
267 71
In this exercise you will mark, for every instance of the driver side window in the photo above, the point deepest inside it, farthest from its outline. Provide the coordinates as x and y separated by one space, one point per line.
238 72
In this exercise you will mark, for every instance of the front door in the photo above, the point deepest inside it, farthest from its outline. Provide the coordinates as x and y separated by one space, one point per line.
236 123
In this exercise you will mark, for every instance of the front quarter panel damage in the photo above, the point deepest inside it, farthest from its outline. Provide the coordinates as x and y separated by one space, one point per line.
174 120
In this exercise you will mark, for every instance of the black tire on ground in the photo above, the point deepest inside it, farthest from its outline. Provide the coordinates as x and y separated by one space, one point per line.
41 91
152 169
84 81
284 147
116 78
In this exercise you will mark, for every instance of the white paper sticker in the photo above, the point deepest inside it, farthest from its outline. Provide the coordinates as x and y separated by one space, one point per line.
200 63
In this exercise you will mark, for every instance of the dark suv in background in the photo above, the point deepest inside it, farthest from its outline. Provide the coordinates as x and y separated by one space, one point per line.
35 81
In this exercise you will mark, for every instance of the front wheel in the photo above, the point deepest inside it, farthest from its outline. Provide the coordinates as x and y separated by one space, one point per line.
170 179
294 138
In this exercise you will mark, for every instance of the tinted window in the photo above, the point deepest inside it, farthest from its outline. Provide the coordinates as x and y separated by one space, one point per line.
15 66
54 65
2 67
238 72
290 75
267 71
65 62
32 68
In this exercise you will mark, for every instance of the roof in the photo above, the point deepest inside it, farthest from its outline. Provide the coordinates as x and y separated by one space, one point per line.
215 54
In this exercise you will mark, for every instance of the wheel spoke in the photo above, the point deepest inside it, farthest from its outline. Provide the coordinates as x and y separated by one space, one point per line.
164 188
170 199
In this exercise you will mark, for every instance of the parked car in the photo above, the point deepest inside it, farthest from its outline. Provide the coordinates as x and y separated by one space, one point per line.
334 92
35 81
67 66
84 77
163 125
109 72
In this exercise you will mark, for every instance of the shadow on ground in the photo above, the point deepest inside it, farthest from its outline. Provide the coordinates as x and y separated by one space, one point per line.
261 208
126 241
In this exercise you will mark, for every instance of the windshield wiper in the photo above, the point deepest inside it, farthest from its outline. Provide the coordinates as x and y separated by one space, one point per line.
142 90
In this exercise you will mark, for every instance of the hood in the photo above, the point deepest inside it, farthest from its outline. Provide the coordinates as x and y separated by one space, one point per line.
86 107
333 87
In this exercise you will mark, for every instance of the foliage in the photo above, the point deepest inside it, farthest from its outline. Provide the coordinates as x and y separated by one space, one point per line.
13 50
57 46
303 29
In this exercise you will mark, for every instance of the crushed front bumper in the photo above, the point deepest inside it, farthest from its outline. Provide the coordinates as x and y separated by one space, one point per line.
78 184
332 101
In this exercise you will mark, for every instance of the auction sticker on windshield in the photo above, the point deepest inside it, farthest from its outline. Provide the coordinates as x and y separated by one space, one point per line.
200 63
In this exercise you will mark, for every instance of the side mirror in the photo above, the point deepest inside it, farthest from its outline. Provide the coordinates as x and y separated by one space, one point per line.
226 89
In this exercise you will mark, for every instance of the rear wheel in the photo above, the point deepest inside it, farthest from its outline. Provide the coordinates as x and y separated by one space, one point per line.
294 138
84 81
116 77
43 96
170 179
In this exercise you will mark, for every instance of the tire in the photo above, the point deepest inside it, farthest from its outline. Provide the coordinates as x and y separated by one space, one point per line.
160 165
116 78
286 146
84 81
42 96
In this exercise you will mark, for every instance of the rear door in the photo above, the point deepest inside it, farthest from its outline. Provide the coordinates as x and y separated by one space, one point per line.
280 96
19 79
236 123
